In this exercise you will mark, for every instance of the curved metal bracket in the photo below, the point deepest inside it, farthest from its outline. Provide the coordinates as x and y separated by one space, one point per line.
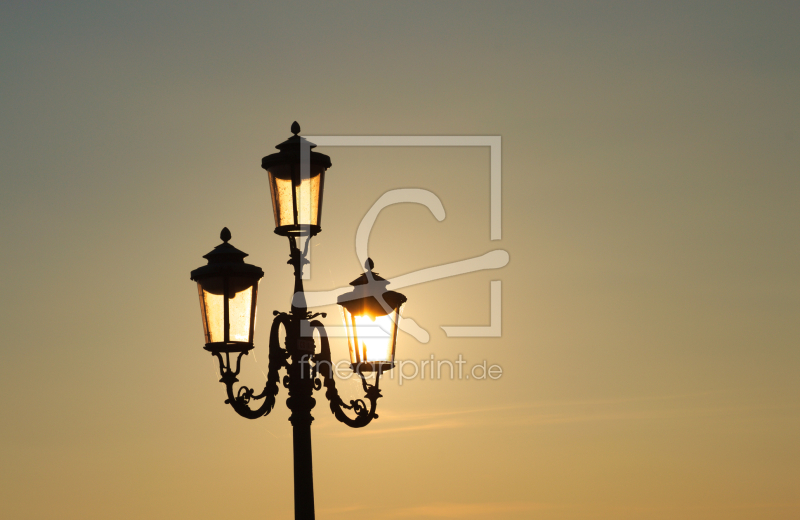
277 359
324 367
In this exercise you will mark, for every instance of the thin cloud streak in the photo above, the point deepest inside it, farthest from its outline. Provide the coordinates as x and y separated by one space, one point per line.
493 509
449 509
474 510
398 423
590 402
403 429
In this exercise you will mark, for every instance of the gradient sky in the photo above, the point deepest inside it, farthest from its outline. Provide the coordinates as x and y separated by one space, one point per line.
651 179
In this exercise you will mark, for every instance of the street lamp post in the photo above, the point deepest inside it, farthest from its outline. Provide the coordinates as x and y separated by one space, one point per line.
228 289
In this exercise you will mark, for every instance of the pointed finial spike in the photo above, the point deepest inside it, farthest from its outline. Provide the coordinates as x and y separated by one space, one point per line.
369 264
225 234
295 128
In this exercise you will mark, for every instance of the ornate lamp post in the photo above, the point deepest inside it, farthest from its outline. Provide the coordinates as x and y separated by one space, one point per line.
228 288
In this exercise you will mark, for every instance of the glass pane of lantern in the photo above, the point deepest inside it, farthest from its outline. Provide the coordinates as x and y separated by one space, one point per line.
213 308
307 192
285 183
370 339
397 315
280 186
347 326
242 295
203 312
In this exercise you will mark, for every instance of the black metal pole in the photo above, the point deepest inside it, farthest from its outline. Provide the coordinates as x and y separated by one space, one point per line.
301 399
301 402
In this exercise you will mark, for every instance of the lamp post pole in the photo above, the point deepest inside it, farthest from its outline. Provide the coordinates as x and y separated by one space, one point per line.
228 289
301 399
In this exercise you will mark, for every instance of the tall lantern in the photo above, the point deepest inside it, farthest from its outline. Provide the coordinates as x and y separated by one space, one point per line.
371 324
296 188
228 289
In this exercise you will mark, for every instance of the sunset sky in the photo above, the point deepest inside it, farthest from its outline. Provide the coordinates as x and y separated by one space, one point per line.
650 211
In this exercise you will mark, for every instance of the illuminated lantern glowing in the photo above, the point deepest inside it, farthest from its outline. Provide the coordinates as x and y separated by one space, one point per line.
228 288
371 323
296 192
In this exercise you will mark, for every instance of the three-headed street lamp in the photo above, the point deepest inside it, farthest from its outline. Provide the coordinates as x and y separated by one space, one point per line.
228 289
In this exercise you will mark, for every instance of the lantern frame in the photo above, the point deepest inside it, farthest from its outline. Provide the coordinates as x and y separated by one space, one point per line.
370 298
294 218
226 270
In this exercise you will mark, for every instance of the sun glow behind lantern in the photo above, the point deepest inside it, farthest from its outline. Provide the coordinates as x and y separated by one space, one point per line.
371 339
371 316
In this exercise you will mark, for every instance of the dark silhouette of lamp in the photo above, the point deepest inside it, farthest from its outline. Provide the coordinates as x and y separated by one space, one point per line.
228 289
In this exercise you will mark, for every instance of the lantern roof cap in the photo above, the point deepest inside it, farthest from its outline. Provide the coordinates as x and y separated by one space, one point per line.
225 260
290 151
366 288
365 278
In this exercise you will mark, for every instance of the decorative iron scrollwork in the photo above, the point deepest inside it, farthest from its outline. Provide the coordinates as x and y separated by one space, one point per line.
302 353
324 366
277 359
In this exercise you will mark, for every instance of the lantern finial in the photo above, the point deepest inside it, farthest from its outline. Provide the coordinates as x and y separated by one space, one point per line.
295 128
369 264
225 234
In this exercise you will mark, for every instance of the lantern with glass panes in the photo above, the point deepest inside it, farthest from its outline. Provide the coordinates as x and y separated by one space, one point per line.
371 315
296 181
228 289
